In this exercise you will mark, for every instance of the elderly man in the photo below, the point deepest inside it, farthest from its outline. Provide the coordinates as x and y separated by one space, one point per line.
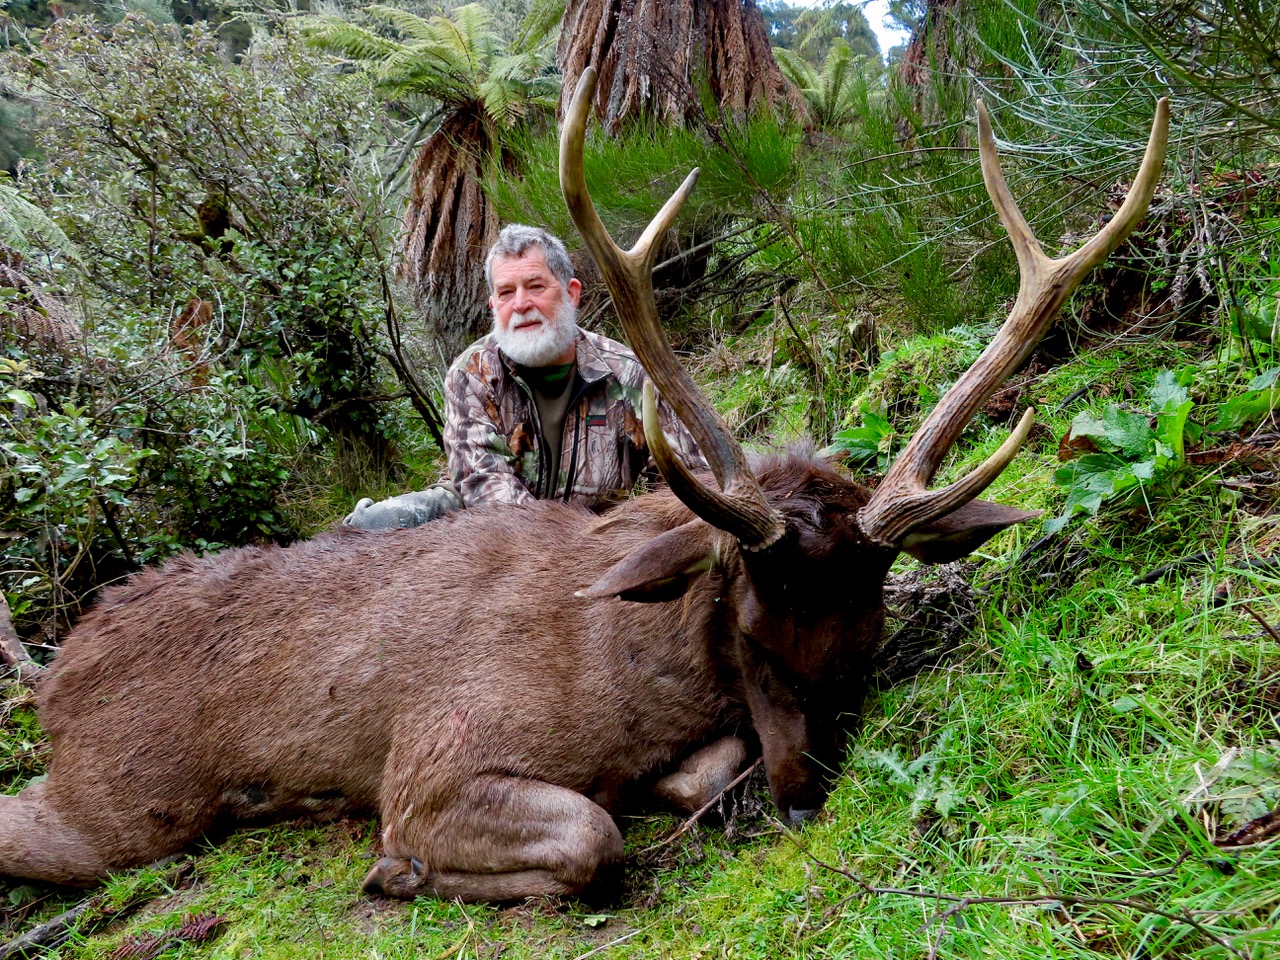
539 408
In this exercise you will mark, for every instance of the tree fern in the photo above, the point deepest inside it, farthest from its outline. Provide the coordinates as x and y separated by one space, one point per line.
831 94
26 229
483 88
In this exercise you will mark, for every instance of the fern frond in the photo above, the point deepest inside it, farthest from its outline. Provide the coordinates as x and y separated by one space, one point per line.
408 25
467 37
28 230
339 36
539 25
796 69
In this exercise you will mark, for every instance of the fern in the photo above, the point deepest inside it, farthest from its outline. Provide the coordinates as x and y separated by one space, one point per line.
334 34
833 94
26 229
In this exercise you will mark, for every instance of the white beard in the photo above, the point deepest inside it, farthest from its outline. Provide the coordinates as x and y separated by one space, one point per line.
543 346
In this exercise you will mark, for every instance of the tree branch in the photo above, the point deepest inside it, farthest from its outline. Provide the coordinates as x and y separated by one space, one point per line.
960 902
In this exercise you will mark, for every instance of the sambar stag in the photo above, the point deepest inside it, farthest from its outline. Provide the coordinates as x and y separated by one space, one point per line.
495 683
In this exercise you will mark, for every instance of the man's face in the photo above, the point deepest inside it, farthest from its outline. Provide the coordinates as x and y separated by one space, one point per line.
533 313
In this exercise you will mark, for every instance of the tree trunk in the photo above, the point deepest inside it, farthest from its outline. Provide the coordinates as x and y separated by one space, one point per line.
651 56
447 230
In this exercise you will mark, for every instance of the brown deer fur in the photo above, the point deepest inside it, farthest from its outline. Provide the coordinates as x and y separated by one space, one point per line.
449 677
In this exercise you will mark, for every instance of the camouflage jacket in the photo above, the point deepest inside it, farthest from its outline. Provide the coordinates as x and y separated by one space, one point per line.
494 441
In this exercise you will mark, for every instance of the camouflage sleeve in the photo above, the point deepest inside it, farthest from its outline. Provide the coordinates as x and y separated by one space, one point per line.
478 454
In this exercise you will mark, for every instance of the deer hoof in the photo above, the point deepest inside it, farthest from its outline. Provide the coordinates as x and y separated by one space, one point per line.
400 877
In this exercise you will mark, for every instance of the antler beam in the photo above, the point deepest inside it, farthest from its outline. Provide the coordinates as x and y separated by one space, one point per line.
902 502
741 509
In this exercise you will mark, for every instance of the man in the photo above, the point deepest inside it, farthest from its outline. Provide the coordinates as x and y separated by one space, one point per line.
539 408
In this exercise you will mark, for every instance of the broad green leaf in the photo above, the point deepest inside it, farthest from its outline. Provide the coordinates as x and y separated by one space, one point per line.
1086 424
1129 432
1171 426
1168 393
1265 380
1261 398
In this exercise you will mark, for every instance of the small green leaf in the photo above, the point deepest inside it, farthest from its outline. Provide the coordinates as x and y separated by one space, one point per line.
24 894
594 920
21 397
1126 705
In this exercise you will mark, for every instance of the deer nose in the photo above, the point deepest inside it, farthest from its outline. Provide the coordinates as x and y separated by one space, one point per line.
799 817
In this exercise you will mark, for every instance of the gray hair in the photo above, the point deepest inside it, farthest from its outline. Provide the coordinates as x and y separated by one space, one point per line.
515 241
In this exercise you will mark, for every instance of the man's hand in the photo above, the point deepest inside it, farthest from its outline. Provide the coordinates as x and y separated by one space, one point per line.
406 510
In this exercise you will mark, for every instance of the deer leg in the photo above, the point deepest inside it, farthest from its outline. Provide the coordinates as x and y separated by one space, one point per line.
703 775
500 838
37 844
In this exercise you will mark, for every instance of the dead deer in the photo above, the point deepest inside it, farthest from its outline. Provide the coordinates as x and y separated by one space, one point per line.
496 682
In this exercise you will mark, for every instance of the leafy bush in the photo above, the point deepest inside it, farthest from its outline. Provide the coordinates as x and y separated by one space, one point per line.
108 466
1131 451
243 184
870 443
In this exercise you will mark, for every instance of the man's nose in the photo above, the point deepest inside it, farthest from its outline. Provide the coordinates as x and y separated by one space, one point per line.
521 301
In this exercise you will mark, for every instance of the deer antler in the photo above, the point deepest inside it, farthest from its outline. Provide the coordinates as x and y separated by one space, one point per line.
902 503
741 509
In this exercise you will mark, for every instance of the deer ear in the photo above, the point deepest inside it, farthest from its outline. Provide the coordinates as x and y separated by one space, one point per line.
662 569
960 532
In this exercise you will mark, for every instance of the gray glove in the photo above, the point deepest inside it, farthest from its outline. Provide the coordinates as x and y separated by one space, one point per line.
406 510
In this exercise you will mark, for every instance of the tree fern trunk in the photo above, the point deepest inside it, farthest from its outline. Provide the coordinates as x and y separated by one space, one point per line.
447 229
651 56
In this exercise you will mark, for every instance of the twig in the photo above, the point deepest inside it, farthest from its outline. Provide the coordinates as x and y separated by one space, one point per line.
1059 900
12 653
1195 560
780 304
701 811
1167 871
392 176
612 943
1265 626
51 933
937 941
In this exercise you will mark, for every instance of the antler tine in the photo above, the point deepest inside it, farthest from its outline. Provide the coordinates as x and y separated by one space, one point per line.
741 509
902 503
